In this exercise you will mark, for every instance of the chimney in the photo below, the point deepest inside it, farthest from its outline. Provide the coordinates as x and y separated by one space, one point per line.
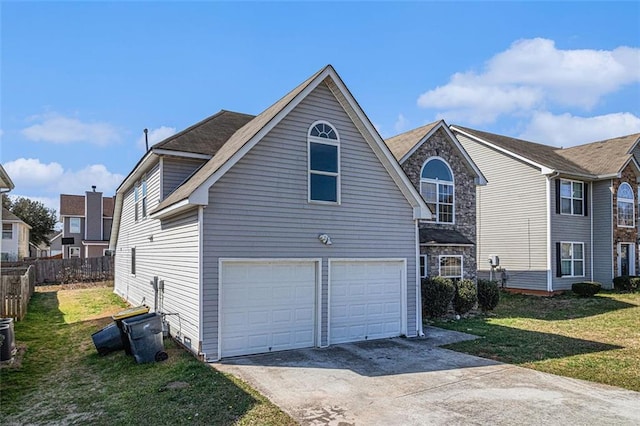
93 187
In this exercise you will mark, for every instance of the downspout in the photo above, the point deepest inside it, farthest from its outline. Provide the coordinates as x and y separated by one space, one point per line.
549 245
201 354
418 284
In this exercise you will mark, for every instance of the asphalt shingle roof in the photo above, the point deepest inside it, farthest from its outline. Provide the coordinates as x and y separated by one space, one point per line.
603 157
207 136
442 236
402 143
73 205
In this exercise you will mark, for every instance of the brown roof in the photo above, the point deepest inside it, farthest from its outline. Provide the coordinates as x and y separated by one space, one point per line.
603 157
73 205
233 145
402 143
207 136
544 155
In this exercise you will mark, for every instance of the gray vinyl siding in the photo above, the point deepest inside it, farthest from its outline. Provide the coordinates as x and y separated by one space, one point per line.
602 207
259 209
168 250
511 217
175 170
569 228
106 228
77 237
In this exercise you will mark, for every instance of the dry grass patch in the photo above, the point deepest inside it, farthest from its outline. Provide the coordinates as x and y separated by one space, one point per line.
60 378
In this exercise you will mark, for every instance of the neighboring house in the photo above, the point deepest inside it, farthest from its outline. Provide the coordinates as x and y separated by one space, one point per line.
86 224
294 228
54 247
6 185
440 168
556 216
15 237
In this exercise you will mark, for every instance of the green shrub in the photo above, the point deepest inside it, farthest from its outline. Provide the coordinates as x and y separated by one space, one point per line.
626 283
437 293
465 297
488 295
586 289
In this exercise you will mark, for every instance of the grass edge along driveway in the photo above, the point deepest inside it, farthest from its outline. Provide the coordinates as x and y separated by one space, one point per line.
595 339
60 379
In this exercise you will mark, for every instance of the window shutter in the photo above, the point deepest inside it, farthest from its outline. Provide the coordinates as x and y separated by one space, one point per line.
585 198
558 260
557 196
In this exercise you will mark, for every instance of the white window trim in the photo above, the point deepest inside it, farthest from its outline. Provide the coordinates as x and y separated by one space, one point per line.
451 255
436 214
336 143
625 200
572 198
3 231
424 272
71 249
584 263
79 225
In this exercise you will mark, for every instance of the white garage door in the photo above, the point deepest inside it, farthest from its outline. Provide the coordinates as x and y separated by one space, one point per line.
365 300
267 306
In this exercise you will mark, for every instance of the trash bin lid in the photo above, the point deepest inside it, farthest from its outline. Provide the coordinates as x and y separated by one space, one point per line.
131 312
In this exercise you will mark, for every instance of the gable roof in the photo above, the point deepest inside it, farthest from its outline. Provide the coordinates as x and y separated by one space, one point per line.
404 145
207 136
607 157
7 216
401 144
5 181
594 160
73 205
195 190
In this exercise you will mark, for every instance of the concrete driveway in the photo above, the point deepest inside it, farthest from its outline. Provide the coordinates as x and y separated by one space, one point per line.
414 382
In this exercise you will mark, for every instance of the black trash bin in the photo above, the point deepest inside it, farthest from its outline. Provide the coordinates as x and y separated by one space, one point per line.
121 316
8 346
145 337
108 339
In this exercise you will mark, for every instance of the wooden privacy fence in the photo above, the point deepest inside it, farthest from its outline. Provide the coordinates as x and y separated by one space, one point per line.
74 270
16 288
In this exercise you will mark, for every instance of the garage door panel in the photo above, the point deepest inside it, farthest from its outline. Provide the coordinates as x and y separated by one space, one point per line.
365 300
267 306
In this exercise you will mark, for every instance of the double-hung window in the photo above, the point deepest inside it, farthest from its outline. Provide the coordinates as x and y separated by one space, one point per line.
626 206
451 267
424 268
571 259
324 163
7 231
437 189
571 197
74 225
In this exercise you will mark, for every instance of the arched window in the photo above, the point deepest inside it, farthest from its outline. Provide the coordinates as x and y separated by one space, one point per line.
324 163
437 189
626 206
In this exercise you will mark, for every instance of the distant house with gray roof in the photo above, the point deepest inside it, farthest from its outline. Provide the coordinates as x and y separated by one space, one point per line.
555 216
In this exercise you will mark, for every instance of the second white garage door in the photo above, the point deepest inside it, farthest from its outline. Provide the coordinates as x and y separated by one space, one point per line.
365 299
267 306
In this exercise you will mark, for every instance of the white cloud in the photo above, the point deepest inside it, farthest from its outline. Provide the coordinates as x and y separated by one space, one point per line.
401 123
156 135
56 128
531 75
50 180
568 130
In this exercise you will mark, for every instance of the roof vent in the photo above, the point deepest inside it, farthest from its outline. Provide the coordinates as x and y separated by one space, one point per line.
93 187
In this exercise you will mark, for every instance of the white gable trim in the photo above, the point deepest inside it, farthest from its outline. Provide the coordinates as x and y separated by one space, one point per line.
200 196
182 154
543 169
480 179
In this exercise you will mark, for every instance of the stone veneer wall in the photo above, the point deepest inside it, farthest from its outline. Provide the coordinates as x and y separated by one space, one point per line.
624 235
439 145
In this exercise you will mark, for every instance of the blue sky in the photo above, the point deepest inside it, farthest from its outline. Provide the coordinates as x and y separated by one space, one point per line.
80 80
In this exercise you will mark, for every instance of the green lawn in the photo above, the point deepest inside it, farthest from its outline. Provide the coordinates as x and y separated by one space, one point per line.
60 379
596 339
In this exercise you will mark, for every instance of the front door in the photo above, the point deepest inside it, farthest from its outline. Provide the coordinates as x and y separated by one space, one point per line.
626 259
